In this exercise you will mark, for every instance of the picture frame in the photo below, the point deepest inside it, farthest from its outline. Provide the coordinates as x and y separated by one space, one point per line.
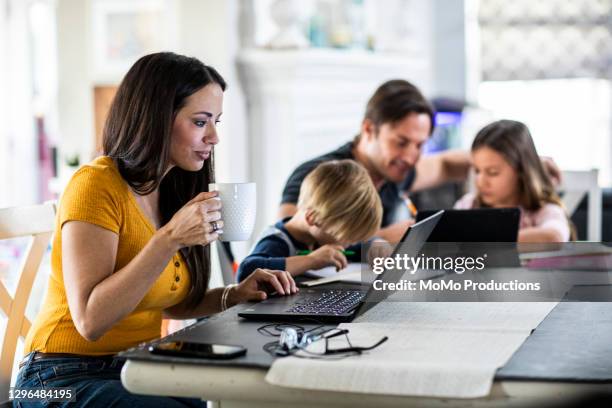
125 30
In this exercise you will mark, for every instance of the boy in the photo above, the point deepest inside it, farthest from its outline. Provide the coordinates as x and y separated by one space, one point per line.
338 205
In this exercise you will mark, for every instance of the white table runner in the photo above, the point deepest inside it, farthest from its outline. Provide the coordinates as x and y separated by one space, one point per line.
448 350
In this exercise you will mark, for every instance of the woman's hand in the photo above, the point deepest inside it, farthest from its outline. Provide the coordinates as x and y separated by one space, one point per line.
328 255
260 283
191 225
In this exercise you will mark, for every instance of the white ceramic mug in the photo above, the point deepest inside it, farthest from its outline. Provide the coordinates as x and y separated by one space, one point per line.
239 207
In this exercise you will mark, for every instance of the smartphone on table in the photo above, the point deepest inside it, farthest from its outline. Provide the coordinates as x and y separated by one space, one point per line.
197 350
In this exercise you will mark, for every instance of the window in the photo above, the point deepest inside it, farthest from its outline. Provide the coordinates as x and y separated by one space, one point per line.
549 65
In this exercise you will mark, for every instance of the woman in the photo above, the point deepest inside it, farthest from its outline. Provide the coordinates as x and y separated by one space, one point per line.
509 173
132 236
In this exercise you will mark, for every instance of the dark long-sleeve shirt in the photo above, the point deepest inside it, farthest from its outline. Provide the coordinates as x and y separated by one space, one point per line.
273 248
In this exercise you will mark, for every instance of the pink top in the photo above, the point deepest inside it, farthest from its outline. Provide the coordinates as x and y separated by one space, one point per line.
550 216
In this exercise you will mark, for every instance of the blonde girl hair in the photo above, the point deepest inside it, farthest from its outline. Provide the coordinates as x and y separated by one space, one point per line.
342 199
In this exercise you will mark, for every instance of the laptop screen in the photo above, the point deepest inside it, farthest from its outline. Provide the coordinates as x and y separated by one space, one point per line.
410 245
474 225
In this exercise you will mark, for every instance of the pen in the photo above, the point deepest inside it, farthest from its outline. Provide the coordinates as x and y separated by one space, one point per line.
307 251
411 207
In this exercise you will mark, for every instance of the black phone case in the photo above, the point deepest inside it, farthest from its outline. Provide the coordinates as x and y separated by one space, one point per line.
194 354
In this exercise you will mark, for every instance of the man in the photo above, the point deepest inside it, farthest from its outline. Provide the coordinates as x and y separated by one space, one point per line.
397 123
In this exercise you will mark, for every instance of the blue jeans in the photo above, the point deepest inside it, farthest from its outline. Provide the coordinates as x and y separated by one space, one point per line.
96 381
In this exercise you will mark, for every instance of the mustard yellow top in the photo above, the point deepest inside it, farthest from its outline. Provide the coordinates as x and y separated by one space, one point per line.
97 194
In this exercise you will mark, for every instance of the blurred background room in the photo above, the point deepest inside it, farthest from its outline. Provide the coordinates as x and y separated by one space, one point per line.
299 74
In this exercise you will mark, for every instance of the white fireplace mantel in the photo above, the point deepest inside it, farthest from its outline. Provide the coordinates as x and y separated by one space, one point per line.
303 103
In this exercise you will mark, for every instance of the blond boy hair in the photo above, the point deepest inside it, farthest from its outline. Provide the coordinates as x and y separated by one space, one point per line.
343 200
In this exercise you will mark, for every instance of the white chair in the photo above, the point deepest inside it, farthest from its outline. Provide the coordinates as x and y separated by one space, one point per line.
577 184
226 265
38 222
221 266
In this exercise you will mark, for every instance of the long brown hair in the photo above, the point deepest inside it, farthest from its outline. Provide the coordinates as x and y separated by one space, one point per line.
137 135
513 141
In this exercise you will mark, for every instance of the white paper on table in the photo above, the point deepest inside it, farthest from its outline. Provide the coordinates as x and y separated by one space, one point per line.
330 271
359 273
449 350
352 273
354 277
496 316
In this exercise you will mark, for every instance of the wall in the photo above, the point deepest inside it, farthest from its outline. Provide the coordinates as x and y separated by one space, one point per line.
209 31
449 48
19 183
206 29
75 88
4 177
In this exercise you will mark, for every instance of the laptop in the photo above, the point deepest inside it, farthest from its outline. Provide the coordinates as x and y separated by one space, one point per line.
339 305
475 225
468 230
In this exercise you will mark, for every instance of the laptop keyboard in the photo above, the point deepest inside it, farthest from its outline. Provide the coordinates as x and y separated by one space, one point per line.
333 302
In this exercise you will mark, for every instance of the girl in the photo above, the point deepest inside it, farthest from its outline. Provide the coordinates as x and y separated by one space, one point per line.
509 173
